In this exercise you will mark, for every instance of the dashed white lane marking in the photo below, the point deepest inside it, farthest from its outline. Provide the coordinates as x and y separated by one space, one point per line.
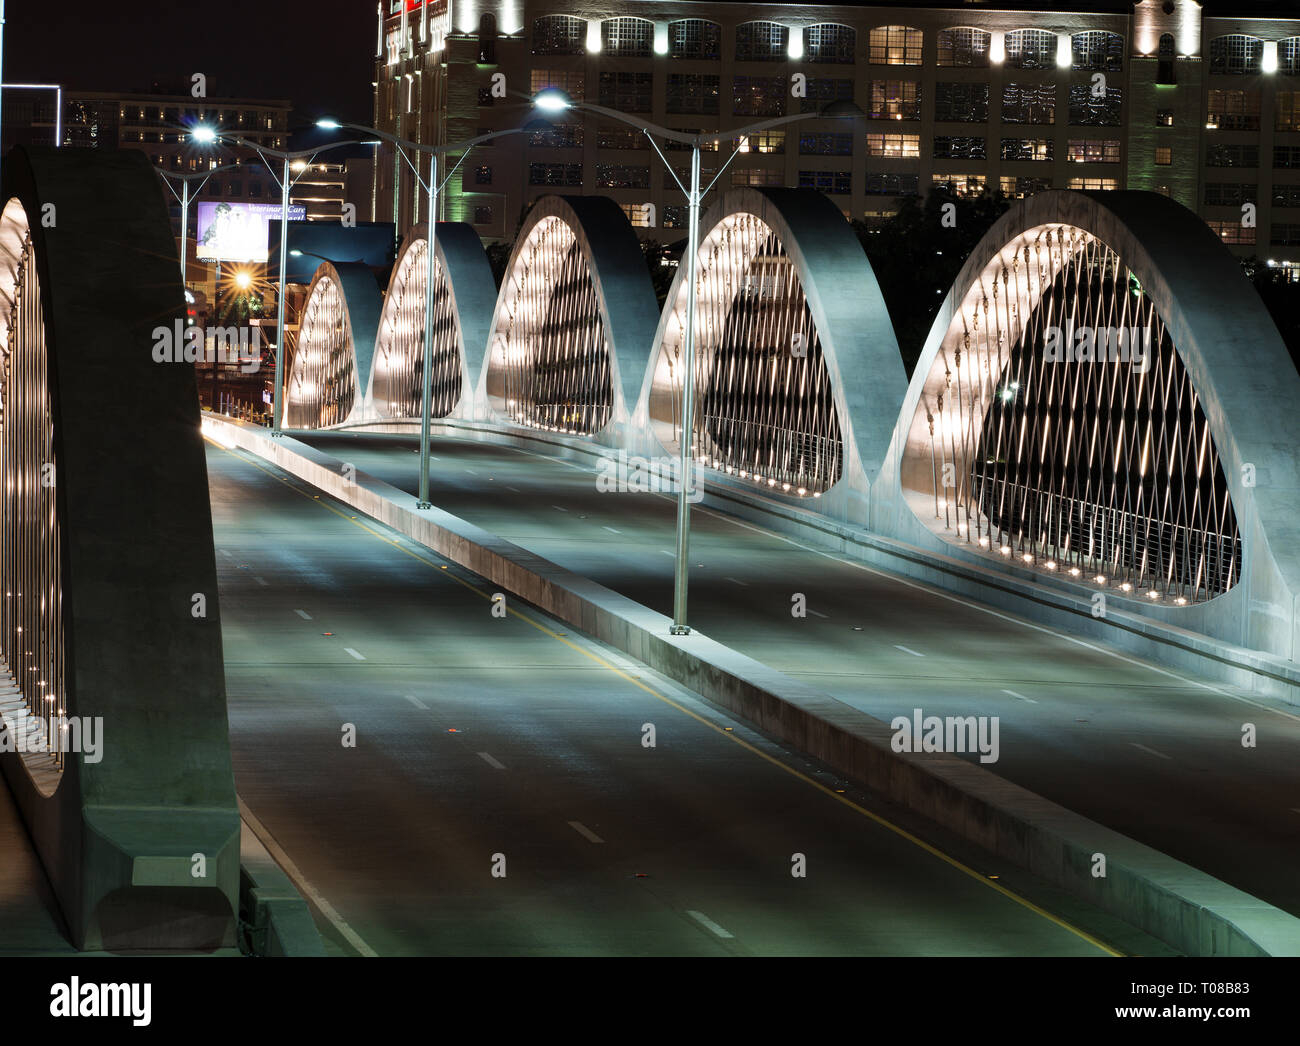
612 530
709 924
736 581
1021 696
818 613
261 581
490 761
226 554
558 509
908 650
509 487
585 832
359 657
665 552
303 614
291 870
416 701
939 593
1151 751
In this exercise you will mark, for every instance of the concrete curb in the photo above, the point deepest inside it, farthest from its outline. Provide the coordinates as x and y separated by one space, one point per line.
1010 588
1189 910
279 921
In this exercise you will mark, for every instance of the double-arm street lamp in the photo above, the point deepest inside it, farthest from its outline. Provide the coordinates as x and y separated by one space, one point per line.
286 181
433 188
552 100
184 196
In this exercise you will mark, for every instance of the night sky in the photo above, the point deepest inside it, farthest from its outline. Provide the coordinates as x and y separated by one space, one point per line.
316 55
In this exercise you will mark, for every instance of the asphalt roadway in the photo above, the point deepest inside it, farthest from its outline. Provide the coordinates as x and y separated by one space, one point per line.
439 780
1152 753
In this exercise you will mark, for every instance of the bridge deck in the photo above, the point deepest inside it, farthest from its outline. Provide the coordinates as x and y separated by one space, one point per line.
1150 753
479 736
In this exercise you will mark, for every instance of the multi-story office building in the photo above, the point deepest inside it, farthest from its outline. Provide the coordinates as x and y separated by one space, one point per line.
1201 102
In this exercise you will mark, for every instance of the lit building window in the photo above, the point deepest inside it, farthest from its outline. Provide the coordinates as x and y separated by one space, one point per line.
895 100
1093 150
961 184
894 146
627 92
1233 110
1018 187
895 45
482 215
1164 156
1287 111
622 176
1027 148
566 80
1092 183
756 176
1229 194
638 214
822 144
1164 118
821 91
1232 232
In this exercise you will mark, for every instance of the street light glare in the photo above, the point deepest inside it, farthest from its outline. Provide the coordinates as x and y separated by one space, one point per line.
551 100
203 134
327 124
243 280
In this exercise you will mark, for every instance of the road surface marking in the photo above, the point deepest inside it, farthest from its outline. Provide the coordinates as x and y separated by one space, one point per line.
226 554
818 613
710 925
416 701
509 487
291 870
559 509
1021 696
665 552
726 732
490 761
359 657
585 832
303 614
979 608
908 650
742 584
1151 751
613 531
261 581
471 472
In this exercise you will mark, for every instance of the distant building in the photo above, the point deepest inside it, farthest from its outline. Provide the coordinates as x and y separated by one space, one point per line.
1200 102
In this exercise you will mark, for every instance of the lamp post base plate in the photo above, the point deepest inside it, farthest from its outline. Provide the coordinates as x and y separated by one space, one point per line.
679 630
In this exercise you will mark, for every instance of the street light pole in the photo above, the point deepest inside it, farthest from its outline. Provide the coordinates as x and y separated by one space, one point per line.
277 399
432 189
680 575
554 101
426 393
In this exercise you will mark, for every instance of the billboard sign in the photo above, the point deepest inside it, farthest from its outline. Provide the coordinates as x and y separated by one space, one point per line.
236 232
